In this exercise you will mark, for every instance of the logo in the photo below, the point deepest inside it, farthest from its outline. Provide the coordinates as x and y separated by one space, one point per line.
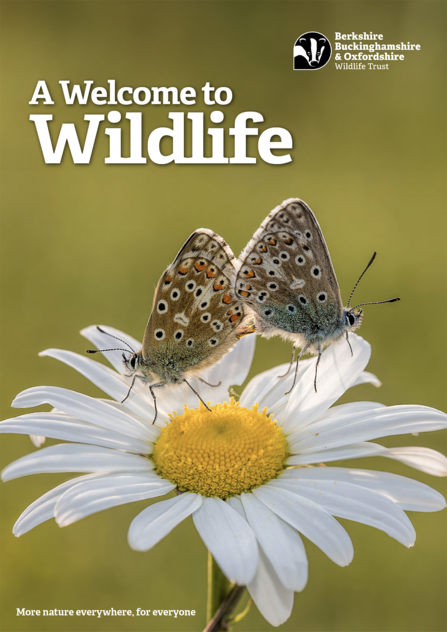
312 51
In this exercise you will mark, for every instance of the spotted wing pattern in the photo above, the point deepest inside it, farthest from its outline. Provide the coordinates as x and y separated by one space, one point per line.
286 274
195 317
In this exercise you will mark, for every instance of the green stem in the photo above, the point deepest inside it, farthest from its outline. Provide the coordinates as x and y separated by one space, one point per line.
218 587
223 598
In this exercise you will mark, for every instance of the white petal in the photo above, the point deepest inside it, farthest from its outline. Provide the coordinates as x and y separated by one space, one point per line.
156 521
273 601
280 542
360 449
348 409
267 388
368 378
37 440
337 372
67 428
86 408
363 426
72 457
277 398
240 361
424 459
229 538
259 385
108 490
117 386
235 503
42 509
235 365
353 451
311 520
407 493
277 401
103 341
352 502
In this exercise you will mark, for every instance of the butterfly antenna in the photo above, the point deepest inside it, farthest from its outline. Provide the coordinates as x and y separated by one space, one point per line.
116 338
360 277
101 350
390 300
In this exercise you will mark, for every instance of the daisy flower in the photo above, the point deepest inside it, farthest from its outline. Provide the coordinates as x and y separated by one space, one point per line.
249 472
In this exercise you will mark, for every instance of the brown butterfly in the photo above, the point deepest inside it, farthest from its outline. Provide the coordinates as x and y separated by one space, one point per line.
286 277
195 317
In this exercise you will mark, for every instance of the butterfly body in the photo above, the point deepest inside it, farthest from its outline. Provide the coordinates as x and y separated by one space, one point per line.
287 278
314 330
195 318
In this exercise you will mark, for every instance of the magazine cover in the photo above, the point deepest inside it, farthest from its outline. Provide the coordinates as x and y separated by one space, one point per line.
223 316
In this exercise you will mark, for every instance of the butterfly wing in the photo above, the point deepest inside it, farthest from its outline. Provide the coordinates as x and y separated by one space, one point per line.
195 317
286 275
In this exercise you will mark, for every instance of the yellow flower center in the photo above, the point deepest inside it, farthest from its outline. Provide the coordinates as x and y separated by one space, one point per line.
221 453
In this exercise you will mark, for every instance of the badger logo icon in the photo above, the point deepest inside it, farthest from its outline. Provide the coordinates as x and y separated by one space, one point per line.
312 51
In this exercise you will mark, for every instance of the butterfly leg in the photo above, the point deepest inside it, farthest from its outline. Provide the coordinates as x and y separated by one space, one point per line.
347 340
301 353
316 368
208 384
290 365
152 386
194 391
130 388
140 377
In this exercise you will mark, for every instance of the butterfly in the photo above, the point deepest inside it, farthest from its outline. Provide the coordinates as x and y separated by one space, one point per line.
287 278
195 317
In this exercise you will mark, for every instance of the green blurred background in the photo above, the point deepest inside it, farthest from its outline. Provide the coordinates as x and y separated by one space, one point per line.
85 244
